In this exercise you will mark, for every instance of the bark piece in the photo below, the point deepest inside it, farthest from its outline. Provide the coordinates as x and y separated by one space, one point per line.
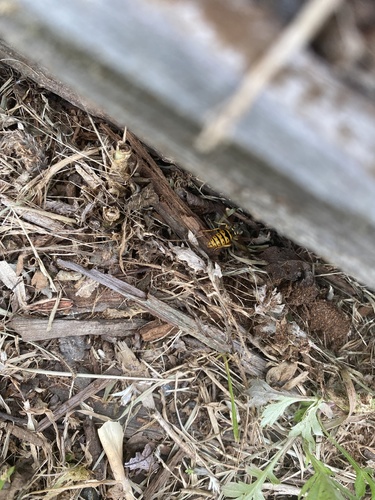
34 329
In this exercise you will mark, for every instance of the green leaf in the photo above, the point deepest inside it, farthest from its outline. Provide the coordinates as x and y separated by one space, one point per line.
5 476
309 426
274 410
254 471
360 485
272 478
322 486
253 491
268 472
243 491
235 490
298 416
364 476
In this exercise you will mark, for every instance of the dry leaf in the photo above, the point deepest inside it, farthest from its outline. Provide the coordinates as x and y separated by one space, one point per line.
143 461
39 281
86 287
300 379
268 304
111 436
68 276
15 283
261 393
135 368
129 361
281 373
191 258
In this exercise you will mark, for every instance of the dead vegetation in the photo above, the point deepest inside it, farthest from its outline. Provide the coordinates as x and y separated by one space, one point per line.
118 317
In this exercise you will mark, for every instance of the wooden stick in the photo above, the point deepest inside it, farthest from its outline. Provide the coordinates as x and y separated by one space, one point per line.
207 334
211 336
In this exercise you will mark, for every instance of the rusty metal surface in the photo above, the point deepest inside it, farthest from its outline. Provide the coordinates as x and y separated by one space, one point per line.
301 159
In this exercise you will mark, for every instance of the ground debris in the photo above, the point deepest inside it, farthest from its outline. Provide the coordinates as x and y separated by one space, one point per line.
115 310
144 461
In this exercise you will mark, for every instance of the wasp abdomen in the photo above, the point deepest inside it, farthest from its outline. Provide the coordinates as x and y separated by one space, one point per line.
222 239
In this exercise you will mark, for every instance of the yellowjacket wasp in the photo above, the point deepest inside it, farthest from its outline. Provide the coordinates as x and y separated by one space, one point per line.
222 239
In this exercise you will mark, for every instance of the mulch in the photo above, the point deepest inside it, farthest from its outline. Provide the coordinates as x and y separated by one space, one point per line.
126 285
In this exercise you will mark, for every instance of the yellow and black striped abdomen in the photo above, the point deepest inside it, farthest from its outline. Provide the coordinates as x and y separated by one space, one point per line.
222 239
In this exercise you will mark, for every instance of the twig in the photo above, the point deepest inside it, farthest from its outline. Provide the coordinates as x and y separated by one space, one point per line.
174 211
209 335
76 400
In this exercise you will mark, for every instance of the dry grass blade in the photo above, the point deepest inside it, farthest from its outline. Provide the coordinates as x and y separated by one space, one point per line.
161 479
40 182
39 217
350 390
188 449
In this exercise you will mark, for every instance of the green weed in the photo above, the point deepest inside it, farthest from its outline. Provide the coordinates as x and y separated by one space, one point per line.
321 485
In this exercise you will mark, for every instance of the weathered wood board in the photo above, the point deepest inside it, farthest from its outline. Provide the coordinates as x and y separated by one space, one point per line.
301 159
